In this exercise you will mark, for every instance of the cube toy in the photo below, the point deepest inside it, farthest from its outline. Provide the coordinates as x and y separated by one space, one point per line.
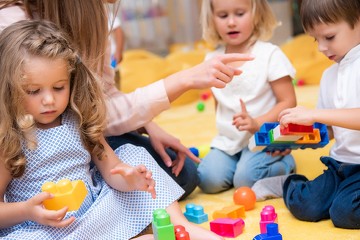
227 227
272 233
66 193
271 138
267 215
181 233
232 212
195 213
162 228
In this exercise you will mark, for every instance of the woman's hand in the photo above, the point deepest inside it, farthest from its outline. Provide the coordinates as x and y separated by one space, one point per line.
161 140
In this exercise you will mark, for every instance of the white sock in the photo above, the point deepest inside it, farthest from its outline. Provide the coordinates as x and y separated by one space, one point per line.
268 188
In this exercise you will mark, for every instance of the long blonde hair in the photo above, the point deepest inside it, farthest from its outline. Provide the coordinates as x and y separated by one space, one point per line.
85 21
18 43
264 22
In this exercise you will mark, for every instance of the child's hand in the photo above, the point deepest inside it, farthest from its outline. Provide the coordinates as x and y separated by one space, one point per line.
136 178
41 215
243 121
279 153
297 115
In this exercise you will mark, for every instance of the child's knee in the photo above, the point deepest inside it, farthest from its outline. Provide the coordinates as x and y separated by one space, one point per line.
210 184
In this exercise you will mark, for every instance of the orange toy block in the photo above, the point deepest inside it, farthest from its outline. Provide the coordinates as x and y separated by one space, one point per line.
66 193
233 212
310 138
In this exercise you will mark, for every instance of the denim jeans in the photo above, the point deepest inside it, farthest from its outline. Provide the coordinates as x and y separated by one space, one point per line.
219 171
335 195
187 178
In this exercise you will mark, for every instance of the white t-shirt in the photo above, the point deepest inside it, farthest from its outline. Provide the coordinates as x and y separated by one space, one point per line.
340 88
253 87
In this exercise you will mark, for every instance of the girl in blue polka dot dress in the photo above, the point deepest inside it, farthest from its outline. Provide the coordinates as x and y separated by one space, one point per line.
52 117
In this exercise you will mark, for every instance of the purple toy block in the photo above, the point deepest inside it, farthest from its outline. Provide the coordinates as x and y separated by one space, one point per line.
227 227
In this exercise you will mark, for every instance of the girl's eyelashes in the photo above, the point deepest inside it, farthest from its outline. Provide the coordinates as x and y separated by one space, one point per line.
59 88
32 92
329 37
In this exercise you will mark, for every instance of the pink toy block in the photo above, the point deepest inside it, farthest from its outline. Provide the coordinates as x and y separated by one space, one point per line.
233 212
227 227
267 215
296 129
181 233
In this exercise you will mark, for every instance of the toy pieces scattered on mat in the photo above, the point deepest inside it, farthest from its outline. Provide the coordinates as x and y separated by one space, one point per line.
272 138
66 193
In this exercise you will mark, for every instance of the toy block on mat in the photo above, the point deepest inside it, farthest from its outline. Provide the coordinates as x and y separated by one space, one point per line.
227 227
66 193
267 215
181 233
195 213
162 228
232 212
272 233
268 139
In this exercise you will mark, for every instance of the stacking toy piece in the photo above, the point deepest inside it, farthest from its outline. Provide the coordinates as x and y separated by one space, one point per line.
66 193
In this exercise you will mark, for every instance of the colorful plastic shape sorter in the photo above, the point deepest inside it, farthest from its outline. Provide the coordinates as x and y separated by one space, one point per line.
232 212
227 227
66 193
162 228
272 233
272 138
267 215
195 213
181 233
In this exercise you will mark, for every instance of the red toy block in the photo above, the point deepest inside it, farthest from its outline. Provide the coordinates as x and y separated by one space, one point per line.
227 227
232 212
297 129
267 215
181 233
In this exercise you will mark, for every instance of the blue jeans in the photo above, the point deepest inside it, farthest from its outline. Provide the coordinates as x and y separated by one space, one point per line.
187 178
219 171
334 195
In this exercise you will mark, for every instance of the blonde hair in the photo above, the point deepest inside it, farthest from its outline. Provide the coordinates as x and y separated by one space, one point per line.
18 43
329 11
264 22
85 21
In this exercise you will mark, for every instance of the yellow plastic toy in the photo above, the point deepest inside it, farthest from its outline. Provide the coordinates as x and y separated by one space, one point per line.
233 212
66 193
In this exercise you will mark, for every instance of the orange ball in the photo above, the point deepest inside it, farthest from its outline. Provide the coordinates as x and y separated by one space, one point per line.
246 197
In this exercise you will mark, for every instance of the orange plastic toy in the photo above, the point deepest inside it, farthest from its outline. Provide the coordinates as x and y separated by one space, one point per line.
246 197
66 193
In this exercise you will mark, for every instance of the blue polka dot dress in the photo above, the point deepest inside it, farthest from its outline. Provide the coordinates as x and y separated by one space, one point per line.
105 213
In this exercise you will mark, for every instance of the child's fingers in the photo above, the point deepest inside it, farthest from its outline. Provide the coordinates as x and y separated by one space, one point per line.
56 215
151 188
62 223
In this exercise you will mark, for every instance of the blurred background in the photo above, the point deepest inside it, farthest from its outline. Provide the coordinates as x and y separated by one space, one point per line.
156 25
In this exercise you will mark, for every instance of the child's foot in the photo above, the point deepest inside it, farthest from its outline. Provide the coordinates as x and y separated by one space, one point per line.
268 188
